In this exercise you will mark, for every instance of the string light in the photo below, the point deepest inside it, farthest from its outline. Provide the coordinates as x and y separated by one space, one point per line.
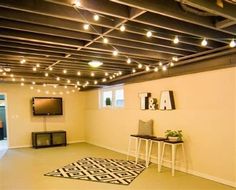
46 74
68 81
105 40
96 17
22 79
106 74
38 65
22 84
65 86
95 82
175 58
120 72
22 61
172 64
156 69
78 83
78 73
115 53
92 74
33 83
149 34
128 61
38 90
140 65
11 75
4 73
160 63
44 85
86 26
64 71
133 70
58 78
50 68
31 88
164 68
104 80
34 69
147 68
122 28
232 43
204 42
176 40
13 79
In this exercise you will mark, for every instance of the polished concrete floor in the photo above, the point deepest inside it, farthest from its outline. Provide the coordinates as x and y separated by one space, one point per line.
23 169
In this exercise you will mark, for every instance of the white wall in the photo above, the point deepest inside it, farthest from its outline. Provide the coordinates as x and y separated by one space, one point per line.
206 110
21 122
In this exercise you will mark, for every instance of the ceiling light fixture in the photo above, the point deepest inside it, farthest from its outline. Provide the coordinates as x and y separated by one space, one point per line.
232 43
204 42
95 63
149 34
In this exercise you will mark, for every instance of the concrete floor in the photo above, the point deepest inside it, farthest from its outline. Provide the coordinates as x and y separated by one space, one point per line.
23 169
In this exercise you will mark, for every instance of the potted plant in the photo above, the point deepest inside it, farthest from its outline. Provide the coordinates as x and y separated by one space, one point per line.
108 101
173 135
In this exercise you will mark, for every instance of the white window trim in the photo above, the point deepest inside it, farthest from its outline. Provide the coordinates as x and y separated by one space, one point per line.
113 89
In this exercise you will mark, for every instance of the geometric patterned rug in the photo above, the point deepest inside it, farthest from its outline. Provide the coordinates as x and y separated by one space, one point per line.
113 171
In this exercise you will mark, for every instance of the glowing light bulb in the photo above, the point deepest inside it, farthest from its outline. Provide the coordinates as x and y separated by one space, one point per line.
115 52
175 58
86 26
46 74
149 34
92 74
122 28
105 40
96 17
128 61
156 69
58 78
133 70
147 68
78 73
204 42
176 40
172 64
64 71
232 43
106 74
50 68
164 68
140 65
160 63
22 61
34 68
95 82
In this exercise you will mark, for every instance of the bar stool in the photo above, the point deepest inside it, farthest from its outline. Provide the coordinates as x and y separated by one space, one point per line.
174 146
159 141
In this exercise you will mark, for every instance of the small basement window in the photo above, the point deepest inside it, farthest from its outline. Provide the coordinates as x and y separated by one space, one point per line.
112 97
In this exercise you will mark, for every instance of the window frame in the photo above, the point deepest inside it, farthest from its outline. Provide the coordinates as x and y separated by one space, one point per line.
113 89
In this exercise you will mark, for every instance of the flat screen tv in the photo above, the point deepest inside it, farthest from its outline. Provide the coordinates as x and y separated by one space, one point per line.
47 106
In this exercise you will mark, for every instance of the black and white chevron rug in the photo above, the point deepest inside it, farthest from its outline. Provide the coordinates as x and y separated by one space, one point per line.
101 170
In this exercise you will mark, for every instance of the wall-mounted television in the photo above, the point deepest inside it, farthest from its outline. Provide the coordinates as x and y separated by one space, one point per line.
47 106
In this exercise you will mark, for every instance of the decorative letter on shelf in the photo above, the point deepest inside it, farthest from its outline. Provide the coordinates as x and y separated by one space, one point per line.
167 100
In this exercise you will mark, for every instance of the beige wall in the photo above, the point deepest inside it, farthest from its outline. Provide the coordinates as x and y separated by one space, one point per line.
21 122
206 110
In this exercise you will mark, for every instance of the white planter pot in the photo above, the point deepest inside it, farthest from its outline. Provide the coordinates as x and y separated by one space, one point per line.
173 139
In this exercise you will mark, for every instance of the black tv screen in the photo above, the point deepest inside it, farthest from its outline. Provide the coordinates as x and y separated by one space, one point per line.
47 106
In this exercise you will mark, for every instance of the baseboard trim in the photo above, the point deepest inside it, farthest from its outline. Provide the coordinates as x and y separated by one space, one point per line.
192 172
28 146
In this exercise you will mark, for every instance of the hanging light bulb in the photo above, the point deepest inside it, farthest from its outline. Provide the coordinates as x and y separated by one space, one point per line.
120 72
38 65
122 28
86 26
22 61
22 79
104 80
149 34
33 82
31 88
147 68
34 69
105 40
172 64
58 78
13 79
204 42
106 74
78 73
176 40
115 53
175 58
232 43
68 81
95 82
22 84
160 63
133 70
96 17
46 74
50 68
44 85
164 68
64 71
92 74
140 65
156 69
128 61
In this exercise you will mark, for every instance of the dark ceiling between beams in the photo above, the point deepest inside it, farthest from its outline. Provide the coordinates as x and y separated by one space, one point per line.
51 34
